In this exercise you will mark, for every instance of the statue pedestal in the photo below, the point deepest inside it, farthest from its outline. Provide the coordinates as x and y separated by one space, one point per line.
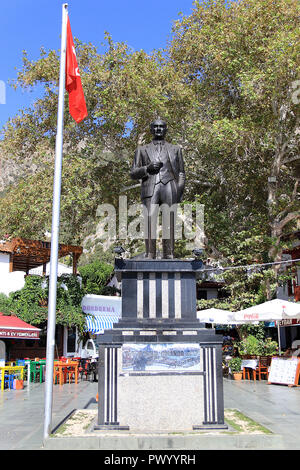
159 370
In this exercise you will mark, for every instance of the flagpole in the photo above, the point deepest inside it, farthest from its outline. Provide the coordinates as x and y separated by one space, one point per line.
55 231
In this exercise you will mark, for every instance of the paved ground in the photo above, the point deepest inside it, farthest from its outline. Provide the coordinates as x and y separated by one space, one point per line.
22 411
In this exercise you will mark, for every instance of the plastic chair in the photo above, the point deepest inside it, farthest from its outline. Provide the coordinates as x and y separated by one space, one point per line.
85 368
21 362
35 369
8 380
69 373
94 367
56 375
11 363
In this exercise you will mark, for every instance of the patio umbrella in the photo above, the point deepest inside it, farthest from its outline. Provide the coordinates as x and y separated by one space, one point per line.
217 315
276 309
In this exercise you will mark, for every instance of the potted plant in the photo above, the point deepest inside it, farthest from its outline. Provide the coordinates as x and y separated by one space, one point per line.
235 365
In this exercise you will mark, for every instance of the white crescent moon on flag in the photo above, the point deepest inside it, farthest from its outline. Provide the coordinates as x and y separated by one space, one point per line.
76 69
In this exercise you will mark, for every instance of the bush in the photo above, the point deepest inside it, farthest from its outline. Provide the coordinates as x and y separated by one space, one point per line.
235 364
251 346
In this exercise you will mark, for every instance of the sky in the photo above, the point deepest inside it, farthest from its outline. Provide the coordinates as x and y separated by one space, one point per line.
30 24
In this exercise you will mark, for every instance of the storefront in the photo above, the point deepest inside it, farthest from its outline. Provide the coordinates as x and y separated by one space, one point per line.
20 257
289 332
13 333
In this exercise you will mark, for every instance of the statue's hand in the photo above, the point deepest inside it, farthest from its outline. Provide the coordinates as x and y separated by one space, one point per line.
154 167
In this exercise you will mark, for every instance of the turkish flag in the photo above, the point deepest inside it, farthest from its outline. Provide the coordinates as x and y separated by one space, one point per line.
77 106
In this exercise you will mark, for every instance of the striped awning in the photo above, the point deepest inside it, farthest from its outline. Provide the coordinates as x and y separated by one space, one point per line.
96 324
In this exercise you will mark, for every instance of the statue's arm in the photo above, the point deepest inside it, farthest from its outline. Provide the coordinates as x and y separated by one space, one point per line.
181 175
181 166
138 170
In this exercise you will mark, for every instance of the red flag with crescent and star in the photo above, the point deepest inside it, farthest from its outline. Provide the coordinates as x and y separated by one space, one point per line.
77 105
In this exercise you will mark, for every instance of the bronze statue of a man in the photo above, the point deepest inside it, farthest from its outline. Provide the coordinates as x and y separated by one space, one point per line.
160 166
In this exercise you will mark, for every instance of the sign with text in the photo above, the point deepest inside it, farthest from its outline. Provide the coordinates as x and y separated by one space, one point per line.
18 334
289 322
102 304
284 371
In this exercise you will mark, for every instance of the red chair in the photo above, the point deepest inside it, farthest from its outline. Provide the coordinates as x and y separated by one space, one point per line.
69 372
85 368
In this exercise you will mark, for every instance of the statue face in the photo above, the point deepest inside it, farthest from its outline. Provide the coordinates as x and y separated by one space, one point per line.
158 129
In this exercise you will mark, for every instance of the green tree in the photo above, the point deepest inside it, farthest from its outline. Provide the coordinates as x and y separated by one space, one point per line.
95 277
30 303
124 90
242 60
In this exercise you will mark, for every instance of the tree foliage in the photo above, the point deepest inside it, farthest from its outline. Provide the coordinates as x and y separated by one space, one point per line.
30 304
95 277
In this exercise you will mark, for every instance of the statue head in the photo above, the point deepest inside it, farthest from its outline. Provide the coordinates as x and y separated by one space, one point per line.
158 129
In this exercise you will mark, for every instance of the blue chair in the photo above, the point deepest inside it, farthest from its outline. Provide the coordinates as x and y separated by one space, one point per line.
21 362
9 380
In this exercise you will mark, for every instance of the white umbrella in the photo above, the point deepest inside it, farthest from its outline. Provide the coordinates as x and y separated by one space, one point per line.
276 309
217 315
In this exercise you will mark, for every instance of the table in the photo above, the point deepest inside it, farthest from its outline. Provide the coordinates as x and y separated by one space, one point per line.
10 370
61 370
250 364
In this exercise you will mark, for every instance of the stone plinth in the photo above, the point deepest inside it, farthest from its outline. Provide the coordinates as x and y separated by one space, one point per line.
159 308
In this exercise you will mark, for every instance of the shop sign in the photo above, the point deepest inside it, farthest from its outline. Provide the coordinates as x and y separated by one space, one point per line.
18 334
104 304
289 322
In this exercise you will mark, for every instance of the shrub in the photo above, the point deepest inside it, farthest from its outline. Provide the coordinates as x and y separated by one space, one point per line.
235 364
251 346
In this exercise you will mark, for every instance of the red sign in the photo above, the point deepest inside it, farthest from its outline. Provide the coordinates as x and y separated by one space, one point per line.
251 316
18 334
289 322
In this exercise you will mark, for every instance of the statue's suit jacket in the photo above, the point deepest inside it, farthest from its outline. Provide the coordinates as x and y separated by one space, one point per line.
173 167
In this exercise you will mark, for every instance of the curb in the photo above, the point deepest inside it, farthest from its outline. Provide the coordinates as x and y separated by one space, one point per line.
167 442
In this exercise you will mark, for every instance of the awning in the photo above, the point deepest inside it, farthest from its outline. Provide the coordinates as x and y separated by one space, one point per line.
27 254
12 327
96 324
